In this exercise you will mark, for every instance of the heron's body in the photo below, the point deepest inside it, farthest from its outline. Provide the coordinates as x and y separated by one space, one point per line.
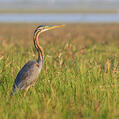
28 75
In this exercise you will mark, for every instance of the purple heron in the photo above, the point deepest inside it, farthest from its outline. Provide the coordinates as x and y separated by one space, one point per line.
28 75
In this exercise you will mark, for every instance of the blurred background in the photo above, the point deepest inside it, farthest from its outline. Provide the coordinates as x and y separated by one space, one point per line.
50 11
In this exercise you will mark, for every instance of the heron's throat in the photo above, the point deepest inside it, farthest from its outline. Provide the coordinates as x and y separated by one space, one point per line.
39 48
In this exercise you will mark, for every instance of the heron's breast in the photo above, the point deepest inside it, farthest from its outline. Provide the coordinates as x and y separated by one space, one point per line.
38 67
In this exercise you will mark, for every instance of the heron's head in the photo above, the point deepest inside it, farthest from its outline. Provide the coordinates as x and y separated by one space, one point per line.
43 28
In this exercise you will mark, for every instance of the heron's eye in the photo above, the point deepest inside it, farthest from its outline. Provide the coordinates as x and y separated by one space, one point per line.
43 28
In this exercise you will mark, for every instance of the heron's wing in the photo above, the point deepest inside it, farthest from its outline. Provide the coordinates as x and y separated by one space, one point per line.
27 75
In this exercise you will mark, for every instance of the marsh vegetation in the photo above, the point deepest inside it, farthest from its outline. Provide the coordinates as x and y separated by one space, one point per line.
79 78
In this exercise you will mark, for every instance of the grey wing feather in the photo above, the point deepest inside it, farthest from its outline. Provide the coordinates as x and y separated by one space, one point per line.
27 75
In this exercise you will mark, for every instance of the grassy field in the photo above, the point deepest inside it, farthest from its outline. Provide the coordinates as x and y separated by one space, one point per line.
79 78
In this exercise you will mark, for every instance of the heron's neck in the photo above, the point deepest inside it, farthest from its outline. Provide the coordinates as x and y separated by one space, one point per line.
40 58
39 49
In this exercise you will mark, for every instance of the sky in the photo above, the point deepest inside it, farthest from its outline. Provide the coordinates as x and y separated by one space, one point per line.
58 0
59 4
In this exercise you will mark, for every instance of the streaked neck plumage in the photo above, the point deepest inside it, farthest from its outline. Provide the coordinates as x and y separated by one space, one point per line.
38 47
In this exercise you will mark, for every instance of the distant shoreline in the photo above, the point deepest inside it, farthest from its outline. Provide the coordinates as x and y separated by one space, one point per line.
56 11
59 17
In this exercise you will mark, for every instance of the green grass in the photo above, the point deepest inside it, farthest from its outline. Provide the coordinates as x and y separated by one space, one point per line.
75 83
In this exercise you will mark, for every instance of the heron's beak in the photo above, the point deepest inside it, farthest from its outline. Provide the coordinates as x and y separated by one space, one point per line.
53 27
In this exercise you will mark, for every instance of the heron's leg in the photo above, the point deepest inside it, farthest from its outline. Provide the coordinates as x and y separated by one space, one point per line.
26 90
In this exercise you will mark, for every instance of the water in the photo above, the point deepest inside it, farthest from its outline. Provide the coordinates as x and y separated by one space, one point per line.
61 18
